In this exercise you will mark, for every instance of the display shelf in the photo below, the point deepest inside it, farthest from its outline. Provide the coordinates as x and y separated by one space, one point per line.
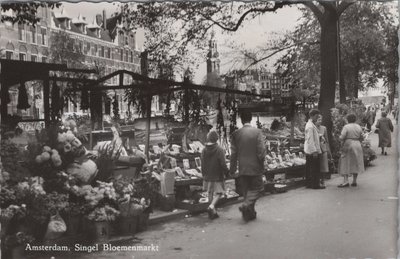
285 170
186 182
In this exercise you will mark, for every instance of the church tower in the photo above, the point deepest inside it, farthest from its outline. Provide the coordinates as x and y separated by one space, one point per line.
213 61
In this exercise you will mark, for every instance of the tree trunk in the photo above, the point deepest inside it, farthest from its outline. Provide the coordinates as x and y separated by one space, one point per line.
356 83
328 66
342 87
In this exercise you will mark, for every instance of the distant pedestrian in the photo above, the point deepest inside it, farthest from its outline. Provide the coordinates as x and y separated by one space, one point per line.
351 159
214 169
248 148
312 149
385 127
369 118
325 149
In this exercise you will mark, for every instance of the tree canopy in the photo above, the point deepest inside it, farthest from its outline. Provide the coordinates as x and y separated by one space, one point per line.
368 51
24 12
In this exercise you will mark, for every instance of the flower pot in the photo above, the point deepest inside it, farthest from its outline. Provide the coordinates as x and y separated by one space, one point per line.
73 225
143 221
101 231
128 225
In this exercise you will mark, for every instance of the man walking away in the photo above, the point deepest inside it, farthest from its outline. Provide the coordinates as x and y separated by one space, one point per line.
248 148
312 148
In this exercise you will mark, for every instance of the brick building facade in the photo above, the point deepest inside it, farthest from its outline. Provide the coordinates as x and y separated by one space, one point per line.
102 40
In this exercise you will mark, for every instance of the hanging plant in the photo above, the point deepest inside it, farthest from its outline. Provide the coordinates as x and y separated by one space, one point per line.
22 98
85 103
220 117
55 99
116 107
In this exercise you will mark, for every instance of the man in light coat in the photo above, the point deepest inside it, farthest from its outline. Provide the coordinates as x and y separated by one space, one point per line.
248 148
312 149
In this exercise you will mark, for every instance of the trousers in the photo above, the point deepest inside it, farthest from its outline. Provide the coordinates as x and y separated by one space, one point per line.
313 172
252 188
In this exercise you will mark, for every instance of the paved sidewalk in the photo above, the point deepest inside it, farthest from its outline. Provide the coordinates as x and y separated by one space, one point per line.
354 222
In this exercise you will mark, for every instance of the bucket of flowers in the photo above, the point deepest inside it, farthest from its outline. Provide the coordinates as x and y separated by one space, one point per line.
101 217
131 208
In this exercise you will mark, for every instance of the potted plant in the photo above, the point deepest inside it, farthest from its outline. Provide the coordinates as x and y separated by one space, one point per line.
101 217
129 206
72 215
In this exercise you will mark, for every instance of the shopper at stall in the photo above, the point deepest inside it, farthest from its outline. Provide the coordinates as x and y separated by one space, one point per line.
325 149
368 118
351 159
213 168
312 148
385 127
248 148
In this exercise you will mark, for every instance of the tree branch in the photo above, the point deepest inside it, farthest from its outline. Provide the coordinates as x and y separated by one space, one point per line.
317 12
328 5
343 6
276 52
241 19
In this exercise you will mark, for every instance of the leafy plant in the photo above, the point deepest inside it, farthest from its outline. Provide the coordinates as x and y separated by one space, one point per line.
105 213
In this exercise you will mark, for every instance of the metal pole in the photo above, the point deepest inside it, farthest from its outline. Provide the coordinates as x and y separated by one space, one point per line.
144 68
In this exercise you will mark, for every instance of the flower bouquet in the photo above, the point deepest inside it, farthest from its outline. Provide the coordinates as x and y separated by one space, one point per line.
104 213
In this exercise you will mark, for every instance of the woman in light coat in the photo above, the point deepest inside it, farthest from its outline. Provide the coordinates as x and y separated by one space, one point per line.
351 160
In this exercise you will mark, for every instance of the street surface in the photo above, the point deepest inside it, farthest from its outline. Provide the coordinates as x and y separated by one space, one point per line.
354 222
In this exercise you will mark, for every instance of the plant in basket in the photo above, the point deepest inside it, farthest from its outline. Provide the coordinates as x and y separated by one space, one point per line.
104 213
108 154
10 159
102 193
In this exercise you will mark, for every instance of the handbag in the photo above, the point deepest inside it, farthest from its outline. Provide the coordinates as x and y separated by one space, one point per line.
376 131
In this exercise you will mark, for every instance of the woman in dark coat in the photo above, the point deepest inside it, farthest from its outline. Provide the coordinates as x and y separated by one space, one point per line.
385 127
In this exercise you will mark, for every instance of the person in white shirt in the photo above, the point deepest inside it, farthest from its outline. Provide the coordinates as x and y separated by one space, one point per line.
312 149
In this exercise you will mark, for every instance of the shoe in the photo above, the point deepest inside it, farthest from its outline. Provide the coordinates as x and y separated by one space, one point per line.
214 216
385 154
245 213
211 213
354 184
343 185
320 187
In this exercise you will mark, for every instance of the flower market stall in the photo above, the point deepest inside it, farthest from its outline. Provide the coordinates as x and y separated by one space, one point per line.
59 187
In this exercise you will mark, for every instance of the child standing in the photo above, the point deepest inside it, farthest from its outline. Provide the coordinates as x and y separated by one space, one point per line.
213 168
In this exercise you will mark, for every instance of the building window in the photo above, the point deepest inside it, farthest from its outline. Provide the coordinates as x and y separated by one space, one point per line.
121 54
44 37
9 54
126 56
102 51
94 50
44 59
22 56
34 58
33 33
262 85
21 32
131 57
87 48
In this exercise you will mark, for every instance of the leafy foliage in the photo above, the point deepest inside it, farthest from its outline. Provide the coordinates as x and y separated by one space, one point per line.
24 12
368 48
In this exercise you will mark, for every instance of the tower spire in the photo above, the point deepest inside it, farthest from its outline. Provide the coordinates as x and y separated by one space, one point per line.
213 62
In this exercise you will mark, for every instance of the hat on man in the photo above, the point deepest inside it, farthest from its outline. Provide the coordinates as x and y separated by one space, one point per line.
212 137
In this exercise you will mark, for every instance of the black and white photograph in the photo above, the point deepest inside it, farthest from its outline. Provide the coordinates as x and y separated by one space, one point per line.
199 129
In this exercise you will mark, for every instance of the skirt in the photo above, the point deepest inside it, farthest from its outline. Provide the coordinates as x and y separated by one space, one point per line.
352 158
323 162
214 187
